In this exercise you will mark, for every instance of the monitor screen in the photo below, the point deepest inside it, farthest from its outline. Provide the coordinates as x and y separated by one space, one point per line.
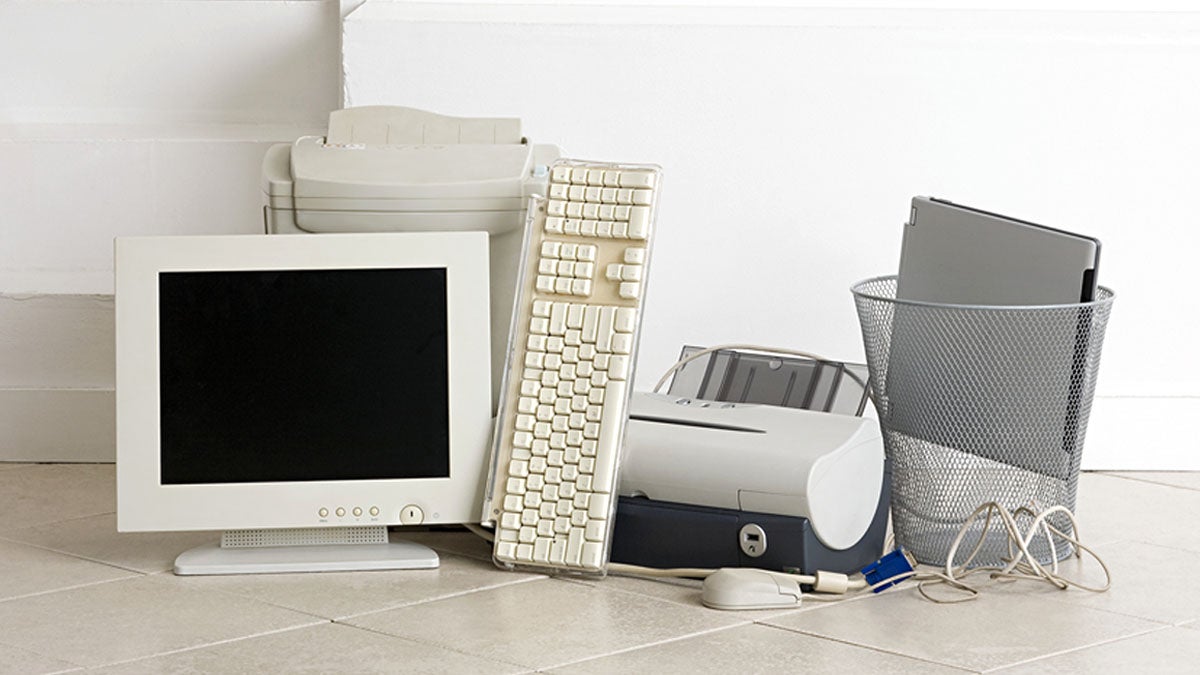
302 381
303 375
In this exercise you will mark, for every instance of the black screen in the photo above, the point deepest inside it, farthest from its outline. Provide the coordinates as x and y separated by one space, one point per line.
313 375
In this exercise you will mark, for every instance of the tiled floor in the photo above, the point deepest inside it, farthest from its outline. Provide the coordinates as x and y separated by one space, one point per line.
76 595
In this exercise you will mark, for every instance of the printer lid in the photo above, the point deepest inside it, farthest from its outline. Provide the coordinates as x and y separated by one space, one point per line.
385 152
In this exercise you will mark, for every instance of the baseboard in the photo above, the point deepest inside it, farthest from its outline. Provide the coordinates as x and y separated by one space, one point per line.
58 425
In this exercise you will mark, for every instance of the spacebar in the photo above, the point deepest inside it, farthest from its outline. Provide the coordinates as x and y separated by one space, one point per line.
604 478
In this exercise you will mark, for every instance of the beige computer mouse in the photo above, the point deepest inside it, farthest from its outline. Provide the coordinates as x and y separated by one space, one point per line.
750 588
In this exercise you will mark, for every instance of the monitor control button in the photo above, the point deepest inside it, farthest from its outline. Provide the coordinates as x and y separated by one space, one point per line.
357 511
411 515
323 512
340 511
374 510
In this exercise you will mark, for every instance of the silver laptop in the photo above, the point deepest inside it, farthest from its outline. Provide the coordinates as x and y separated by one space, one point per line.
961 255
942 361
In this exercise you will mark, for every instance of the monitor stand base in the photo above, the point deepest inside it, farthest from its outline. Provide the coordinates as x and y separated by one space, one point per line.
269 552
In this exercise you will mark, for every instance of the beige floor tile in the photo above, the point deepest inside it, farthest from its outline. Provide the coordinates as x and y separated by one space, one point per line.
1183 479
336 595
19 661
46 493
512 623
752 649
326 648
133 618
995 630
25 570
96 538
1147 582
1170 650
1114 509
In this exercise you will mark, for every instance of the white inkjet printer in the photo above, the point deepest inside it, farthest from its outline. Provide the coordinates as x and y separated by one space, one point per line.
395 169
738 482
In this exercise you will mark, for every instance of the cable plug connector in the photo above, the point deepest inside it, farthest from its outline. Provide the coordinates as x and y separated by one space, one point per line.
831 582
889 570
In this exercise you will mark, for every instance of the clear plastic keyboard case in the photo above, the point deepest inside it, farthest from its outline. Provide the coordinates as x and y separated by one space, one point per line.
569 373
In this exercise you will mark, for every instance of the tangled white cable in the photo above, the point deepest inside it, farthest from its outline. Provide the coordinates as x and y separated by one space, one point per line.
1021 563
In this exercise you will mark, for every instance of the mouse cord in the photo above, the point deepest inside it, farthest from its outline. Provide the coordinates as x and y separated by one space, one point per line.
833 583
822 582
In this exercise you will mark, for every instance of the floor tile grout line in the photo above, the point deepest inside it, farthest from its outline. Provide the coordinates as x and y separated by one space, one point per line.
232 594
1146 481
206 645
440 598
26 649
540 669
65 589
78 556
1074 650
438 645
1177 549
648 645
1069 600
860 645
7 532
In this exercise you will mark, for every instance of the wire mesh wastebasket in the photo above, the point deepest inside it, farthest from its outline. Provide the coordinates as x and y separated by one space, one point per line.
979 403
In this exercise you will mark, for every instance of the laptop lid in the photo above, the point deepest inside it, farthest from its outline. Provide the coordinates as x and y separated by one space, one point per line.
961 255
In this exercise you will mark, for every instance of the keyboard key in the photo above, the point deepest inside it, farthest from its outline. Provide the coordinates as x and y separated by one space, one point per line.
625 320
637 179
639 218
622 344
592 554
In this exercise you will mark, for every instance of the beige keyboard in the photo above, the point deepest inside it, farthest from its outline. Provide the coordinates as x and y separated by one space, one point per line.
572 350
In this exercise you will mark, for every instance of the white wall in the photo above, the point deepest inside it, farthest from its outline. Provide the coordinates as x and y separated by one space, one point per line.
124 117
792 141
801 132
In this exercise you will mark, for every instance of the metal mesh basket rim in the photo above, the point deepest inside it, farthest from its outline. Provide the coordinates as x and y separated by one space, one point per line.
1104 296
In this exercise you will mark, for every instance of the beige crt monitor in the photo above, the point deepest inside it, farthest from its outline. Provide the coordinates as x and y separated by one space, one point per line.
301 394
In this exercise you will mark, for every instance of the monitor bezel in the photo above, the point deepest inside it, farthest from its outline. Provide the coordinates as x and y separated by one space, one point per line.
145 504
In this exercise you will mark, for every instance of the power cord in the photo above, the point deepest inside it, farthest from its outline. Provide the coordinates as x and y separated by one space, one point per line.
1021 563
